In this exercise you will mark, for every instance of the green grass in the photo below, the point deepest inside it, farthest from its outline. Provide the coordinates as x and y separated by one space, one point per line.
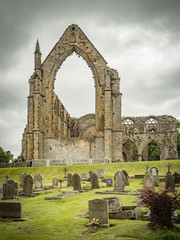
56 219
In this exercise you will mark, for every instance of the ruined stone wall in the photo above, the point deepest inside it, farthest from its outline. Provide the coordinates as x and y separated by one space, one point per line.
140 131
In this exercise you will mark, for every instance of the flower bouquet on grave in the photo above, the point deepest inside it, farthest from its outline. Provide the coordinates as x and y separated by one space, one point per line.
95 223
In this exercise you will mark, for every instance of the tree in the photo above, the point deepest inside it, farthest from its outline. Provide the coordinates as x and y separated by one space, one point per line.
153 150
5 156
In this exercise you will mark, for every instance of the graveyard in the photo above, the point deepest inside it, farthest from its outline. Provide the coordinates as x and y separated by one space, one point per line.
60 202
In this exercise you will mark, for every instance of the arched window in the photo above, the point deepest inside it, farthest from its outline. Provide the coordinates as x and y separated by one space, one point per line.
151 125
128 125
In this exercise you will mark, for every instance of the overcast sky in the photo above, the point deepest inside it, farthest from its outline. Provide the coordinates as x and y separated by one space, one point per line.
138 38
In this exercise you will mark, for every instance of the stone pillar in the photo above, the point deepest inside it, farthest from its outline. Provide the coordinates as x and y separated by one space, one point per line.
108 120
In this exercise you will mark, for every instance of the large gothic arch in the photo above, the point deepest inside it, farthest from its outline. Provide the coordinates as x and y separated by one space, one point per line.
53 137
49 124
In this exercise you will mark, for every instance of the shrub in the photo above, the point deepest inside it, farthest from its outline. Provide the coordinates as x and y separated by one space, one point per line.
162 204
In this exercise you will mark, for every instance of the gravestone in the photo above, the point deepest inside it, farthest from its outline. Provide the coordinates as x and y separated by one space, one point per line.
28 185
55 182
10 209
94 181
69 180
169 169
169 181
76 182
90 172
65 171
176 177
1 188
154 173
83 176
115 203
119 181
38 181
148 181
10 190
109 182
22 176
100 173
99 209
126 177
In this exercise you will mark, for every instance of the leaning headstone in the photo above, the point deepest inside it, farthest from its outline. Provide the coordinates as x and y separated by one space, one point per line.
28 185
109 182
83 176
94 181
10 209
10 190
76 182
100 173
69 180
126 177
115 203
38 181
55 182
119 181
99 209
169 181
154 173
148 181
22 176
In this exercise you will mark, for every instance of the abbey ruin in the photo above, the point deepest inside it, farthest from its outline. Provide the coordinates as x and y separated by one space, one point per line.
53 137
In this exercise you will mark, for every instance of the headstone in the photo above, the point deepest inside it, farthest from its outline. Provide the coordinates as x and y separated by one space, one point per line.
169 181
76 182
83 176
176 177
115 203
1 188
109 182
154 173
10 190
55 182
99 209
169 168
69 180
10 209
7 176
147 167
90 172
119 181
46 187
94 181
38 181
65 171
126 177
28 185
148 181
100 173
22 176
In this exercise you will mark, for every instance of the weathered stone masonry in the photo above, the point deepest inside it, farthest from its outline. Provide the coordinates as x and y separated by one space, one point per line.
53 137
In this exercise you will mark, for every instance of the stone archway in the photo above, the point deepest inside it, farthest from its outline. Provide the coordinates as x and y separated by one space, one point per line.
50 125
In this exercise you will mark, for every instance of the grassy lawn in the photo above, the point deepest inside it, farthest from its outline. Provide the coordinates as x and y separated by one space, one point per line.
57 219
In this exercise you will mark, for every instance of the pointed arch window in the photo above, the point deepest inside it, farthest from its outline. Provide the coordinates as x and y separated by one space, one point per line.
151 125
128 125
